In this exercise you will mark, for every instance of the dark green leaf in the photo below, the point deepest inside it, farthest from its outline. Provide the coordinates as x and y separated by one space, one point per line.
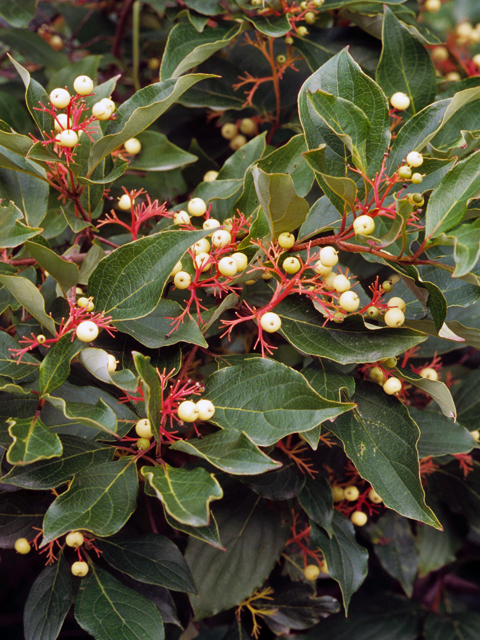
55 367
208 534
152 389
346 559
98 416
108 610
273 26
64 272
18 14
466 242
467 400
100 500
455 626
316 499
33 47
344 188
450 486
185 493
396 550
20 512
158 154
13 232
48 602
229 451
289 159
327 381
280 484
8 364
32 441
437 548
270 401
297 608
34 95
29 297
439 435
254 536
436 389
148 558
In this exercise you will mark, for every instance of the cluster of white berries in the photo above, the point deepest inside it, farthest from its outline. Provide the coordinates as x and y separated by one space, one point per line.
238 135
189 411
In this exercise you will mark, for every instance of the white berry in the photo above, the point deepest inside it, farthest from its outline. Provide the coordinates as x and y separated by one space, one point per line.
429 373
400 101
206 409
364 225
374 497
221 238
341 283
83 85
79 569
143 428
68 138
182 280
392 386
394 317
101 111
176 269
87 331
328 256
291 265
201 246
187 411
202 261
396 302
61 122
111 363
211 224
181 217
227 266
321 269
125 202
74 539
133 146
286 240
351 493
349 301
196 207
414 159
358 518
241 260
60 98
270 322
210 176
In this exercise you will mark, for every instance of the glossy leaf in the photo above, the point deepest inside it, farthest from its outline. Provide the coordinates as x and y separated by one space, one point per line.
128 284
405 65
32 441
466 242
270 401
149 558
100 500
467 400
185 493
436 389
13 232
380 438
108 610
450 486
344 188
159 154
289 159
48 602
17 15
9 366
78 454
346 559
55 367
34 94
98 416
229 451
439 435
316 500
29 297
208 533
437 548
253 535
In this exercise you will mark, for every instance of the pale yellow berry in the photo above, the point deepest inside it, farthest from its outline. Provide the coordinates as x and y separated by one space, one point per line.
270 322
202 261
328 256
291 265
394 318
206 409
400 101
376 375
392 386
351 493
79 569
414 159
176 269
475 435
321 269
364 225
196 207
221 238
440 54
74 539
83 85
181 217
349 301
328 280
338 494
211 223
374 497
101 111
247 127
125 202
86 331
286 240
227 266
201 246
397 302
61 122
143 428
182 280
229 130
241 259
60 98
68 138
210 176
341 283
311 572
133 146
111 363
432 6
238 142
188 411
453 76
429 373
358 518
22 546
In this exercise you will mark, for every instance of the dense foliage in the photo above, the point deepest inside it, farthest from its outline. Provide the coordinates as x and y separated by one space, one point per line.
240 299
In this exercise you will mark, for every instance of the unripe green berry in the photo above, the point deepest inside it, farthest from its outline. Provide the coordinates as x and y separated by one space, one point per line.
405 172
281 59
372 312
338 493
143 444
417 178
302 31
310 17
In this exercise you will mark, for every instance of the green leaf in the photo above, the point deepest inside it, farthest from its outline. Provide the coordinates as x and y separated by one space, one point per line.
32 441
283 208
9 366
129 283
229 451
208 534
187 48
405 65
13 232
272 25
448 203
152 390
347 121
254 535
78 454
467 400
440 436
139 112
380 439
454 626
295 607
327 381
100 500
118 169
280 484
152 329
346 343
33 47
29 297
20 512
397 552
317 501
34 95
108 610
24 183
64 272
48 602
270 401
96 362
149 558
345 188
437 548
466 242
98 416
346 559
55 367
185 493
435 389
18 15
159 154
450 486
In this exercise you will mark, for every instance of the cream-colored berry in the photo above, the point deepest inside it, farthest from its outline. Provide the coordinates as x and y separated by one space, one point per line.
351 493
100 111
61 122
440 54
181 217
202 246
396 302
228 224
341 283
414 159
211 224
247 127
349 301
392 386
125 202
60 98
432 6
210 176
328 256
291 265
133 146
311 572
429 373
476 60
374 497
376 375
206 409
221 238
286 240
22 546
143 444
359 518
238 142
270 322
394 318
87 331
188 411
328 280
83 85
321 269
229 130
338 494
364 225
227 266
68 138
202 261
109 103
475 435
74 539
196 207
241 259
176 269
111 363
143 428
400 101
453 76
182 280
417 178
79 569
